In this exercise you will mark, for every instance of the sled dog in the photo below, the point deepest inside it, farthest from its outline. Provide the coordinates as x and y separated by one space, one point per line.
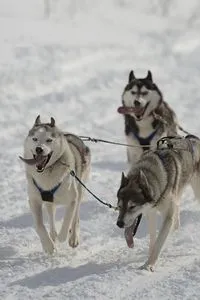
147 116
49 156
156 184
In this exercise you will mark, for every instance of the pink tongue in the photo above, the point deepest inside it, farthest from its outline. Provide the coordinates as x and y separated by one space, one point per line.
121 110
128 110
29 161
124 110
128 233
33 161
41 162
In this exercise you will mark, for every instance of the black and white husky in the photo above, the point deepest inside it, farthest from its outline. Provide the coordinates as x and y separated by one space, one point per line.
147 116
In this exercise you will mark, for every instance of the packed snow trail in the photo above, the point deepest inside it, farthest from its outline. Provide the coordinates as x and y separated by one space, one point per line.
73 66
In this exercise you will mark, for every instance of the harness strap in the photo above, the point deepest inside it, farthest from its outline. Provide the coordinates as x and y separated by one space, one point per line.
73 174
147 140
47 195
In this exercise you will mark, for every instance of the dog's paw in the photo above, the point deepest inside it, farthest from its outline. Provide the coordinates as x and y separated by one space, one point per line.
147 267
49 246
73 241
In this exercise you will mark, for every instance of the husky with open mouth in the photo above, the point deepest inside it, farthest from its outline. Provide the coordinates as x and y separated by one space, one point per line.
155 184
147 116
49 156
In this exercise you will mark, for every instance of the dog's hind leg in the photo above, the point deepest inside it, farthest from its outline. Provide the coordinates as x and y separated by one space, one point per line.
51 210
46 241
162 236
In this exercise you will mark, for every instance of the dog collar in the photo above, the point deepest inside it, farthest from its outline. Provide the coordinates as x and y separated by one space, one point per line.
47 195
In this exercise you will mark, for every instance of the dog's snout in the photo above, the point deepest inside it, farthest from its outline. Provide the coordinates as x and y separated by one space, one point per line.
120 223
39 150
137 103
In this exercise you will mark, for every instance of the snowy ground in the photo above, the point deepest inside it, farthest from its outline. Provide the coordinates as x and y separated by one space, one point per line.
73 66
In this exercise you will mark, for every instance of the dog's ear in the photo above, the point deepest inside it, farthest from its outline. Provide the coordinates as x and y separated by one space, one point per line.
131 76
143 179
124 180
37 121
53 122
149 76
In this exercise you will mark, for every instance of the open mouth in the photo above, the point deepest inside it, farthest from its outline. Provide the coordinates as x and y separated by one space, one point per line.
40 161
138 111
130 231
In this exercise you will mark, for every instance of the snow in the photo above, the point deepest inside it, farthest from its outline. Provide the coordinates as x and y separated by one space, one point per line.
73 66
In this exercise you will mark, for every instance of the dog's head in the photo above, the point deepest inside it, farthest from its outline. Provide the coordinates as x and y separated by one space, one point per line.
43 145
140 97
134 198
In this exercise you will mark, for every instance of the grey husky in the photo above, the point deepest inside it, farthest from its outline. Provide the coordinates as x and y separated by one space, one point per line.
49 156
155 184
147 116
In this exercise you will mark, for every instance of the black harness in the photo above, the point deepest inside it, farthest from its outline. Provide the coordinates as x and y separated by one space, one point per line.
47 196
145 142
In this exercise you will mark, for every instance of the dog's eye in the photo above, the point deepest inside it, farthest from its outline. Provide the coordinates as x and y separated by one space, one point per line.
133 93
49 140
144 93
131 207
34 139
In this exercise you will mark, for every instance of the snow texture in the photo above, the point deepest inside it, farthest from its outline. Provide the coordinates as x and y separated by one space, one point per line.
70 59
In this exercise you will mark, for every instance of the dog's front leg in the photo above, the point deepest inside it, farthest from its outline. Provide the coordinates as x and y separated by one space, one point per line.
51 209
177 217
75 228
67 220
46 241
162 236
152 224
133 155
196 186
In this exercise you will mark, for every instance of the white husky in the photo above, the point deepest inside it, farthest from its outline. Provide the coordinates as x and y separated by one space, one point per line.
49 155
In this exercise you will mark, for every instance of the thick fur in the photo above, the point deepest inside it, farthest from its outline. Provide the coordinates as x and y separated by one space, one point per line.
155 184
67 153
157 119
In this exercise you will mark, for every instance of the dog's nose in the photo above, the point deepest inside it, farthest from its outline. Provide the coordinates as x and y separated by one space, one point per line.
120 223
39 150
137 103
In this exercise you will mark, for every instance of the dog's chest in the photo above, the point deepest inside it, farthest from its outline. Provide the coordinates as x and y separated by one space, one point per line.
54 190
146 132
145 128
66 191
